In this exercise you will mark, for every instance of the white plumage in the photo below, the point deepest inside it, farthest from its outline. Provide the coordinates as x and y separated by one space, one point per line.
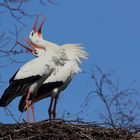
47 75
37 66
72 54
30 76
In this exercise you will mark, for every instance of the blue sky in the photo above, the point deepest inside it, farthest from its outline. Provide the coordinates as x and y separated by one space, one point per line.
108 29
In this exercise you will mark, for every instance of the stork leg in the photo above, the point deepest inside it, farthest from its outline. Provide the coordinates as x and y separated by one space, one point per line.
27 106
50 108
54 108
33 112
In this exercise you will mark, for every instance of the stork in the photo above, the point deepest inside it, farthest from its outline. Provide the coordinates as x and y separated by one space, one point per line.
61 76
31 75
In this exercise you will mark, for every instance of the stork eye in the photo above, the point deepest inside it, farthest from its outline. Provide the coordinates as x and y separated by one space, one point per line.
35 53
32 33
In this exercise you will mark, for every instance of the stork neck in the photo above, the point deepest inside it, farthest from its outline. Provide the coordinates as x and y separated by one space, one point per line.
48 46
46 43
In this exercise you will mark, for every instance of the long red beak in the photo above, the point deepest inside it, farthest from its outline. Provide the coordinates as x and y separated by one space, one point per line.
40 27
28 49
34 27
32 45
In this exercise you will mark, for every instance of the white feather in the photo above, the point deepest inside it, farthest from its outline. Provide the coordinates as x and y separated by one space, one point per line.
38 66
74 52
62 73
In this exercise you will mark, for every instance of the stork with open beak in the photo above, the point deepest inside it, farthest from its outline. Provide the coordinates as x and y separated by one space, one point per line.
61 76
30 76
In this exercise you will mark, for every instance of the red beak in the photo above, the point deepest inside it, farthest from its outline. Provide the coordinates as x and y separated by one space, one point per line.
39 29
32 45
34 28
28 49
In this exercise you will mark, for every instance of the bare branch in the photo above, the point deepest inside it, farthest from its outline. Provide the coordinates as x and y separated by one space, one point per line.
14 7
122 107
11 114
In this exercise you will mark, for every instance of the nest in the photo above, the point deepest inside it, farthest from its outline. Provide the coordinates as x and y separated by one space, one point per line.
63 130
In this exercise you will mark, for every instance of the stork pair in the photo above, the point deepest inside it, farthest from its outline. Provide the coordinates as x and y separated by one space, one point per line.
46 75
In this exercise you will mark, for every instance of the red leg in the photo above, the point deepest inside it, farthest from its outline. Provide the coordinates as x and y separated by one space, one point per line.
27 106
50 108
54 108
33 113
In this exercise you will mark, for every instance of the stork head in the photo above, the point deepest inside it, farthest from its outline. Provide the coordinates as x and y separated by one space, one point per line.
36 36
35 50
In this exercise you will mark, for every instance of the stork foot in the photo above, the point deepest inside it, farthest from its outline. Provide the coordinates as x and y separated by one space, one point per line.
54 114
27 110
54 108
27 106
33 113
50 109
50 114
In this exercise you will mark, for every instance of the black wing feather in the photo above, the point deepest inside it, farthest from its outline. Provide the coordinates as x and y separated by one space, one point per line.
43 92
12 78
17 88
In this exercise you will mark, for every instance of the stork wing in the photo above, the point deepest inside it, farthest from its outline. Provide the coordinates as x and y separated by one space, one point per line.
59 78
31 72
35 67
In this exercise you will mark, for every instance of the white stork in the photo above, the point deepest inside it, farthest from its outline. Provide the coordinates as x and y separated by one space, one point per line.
61 76
31 75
